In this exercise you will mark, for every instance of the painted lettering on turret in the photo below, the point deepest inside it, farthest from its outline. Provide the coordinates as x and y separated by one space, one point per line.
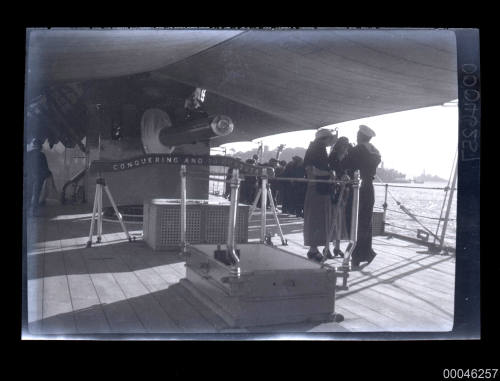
107 166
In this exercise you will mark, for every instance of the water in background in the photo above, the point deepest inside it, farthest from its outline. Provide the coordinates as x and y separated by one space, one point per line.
421 202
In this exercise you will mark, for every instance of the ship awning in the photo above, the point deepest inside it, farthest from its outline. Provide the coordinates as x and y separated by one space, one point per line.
269 82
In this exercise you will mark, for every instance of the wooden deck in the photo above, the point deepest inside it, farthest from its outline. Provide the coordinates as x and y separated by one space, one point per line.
121 287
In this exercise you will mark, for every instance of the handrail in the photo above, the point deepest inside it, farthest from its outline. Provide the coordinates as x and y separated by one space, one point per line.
74 179
292 179
410 187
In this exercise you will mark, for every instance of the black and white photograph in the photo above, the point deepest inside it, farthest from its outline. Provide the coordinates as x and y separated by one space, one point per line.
233 184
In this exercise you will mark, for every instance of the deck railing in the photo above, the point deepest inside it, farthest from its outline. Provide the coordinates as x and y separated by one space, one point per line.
423 234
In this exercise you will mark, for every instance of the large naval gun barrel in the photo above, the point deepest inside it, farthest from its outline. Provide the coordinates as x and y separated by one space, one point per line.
197 130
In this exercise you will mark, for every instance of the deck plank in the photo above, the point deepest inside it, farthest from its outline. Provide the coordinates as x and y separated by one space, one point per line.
89 315
124 287
179 309
58 315
144 304
117 309
153 282
35 277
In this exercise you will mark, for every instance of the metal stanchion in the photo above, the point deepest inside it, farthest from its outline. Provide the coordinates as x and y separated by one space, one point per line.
263 205
92 222
254 205
354 230
233 210
448 209
385 205
99 213
275 215
183 173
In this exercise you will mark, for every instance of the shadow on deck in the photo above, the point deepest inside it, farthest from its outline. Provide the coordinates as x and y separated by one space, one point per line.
126 288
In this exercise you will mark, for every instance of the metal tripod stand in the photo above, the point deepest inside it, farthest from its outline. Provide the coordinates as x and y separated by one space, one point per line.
100 184
265 191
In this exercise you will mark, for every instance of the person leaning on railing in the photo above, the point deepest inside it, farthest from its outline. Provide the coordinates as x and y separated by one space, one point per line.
340 196
317 204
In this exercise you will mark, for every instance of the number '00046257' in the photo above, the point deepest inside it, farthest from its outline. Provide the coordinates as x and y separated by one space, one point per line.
470 108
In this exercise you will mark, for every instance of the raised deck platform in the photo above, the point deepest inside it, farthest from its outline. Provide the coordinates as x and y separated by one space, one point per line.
122 287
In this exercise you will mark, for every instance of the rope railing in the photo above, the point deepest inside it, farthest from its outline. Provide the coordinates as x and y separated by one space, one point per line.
416 215
329 182
412 187
292 179
300 179
399 227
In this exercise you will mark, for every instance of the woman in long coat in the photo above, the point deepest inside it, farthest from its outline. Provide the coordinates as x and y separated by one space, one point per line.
341 200
317 204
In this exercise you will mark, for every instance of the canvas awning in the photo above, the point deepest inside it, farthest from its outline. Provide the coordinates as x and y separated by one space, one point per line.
268 82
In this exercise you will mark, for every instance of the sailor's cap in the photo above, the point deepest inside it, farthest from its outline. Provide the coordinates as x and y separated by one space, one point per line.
367 131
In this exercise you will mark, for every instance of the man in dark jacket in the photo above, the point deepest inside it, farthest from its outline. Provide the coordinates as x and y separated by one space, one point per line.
365 158
37 171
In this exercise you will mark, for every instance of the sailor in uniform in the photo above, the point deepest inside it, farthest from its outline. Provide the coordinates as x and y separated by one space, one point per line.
365 158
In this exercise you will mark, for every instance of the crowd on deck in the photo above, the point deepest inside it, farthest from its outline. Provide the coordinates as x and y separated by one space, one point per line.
290 195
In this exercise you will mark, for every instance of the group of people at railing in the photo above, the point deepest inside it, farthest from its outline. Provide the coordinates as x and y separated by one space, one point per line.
326 207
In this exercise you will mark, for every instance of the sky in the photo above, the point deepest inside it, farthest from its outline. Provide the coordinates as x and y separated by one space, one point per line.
409 141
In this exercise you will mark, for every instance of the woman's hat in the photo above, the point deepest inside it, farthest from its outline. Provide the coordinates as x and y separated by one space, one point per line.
323 133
